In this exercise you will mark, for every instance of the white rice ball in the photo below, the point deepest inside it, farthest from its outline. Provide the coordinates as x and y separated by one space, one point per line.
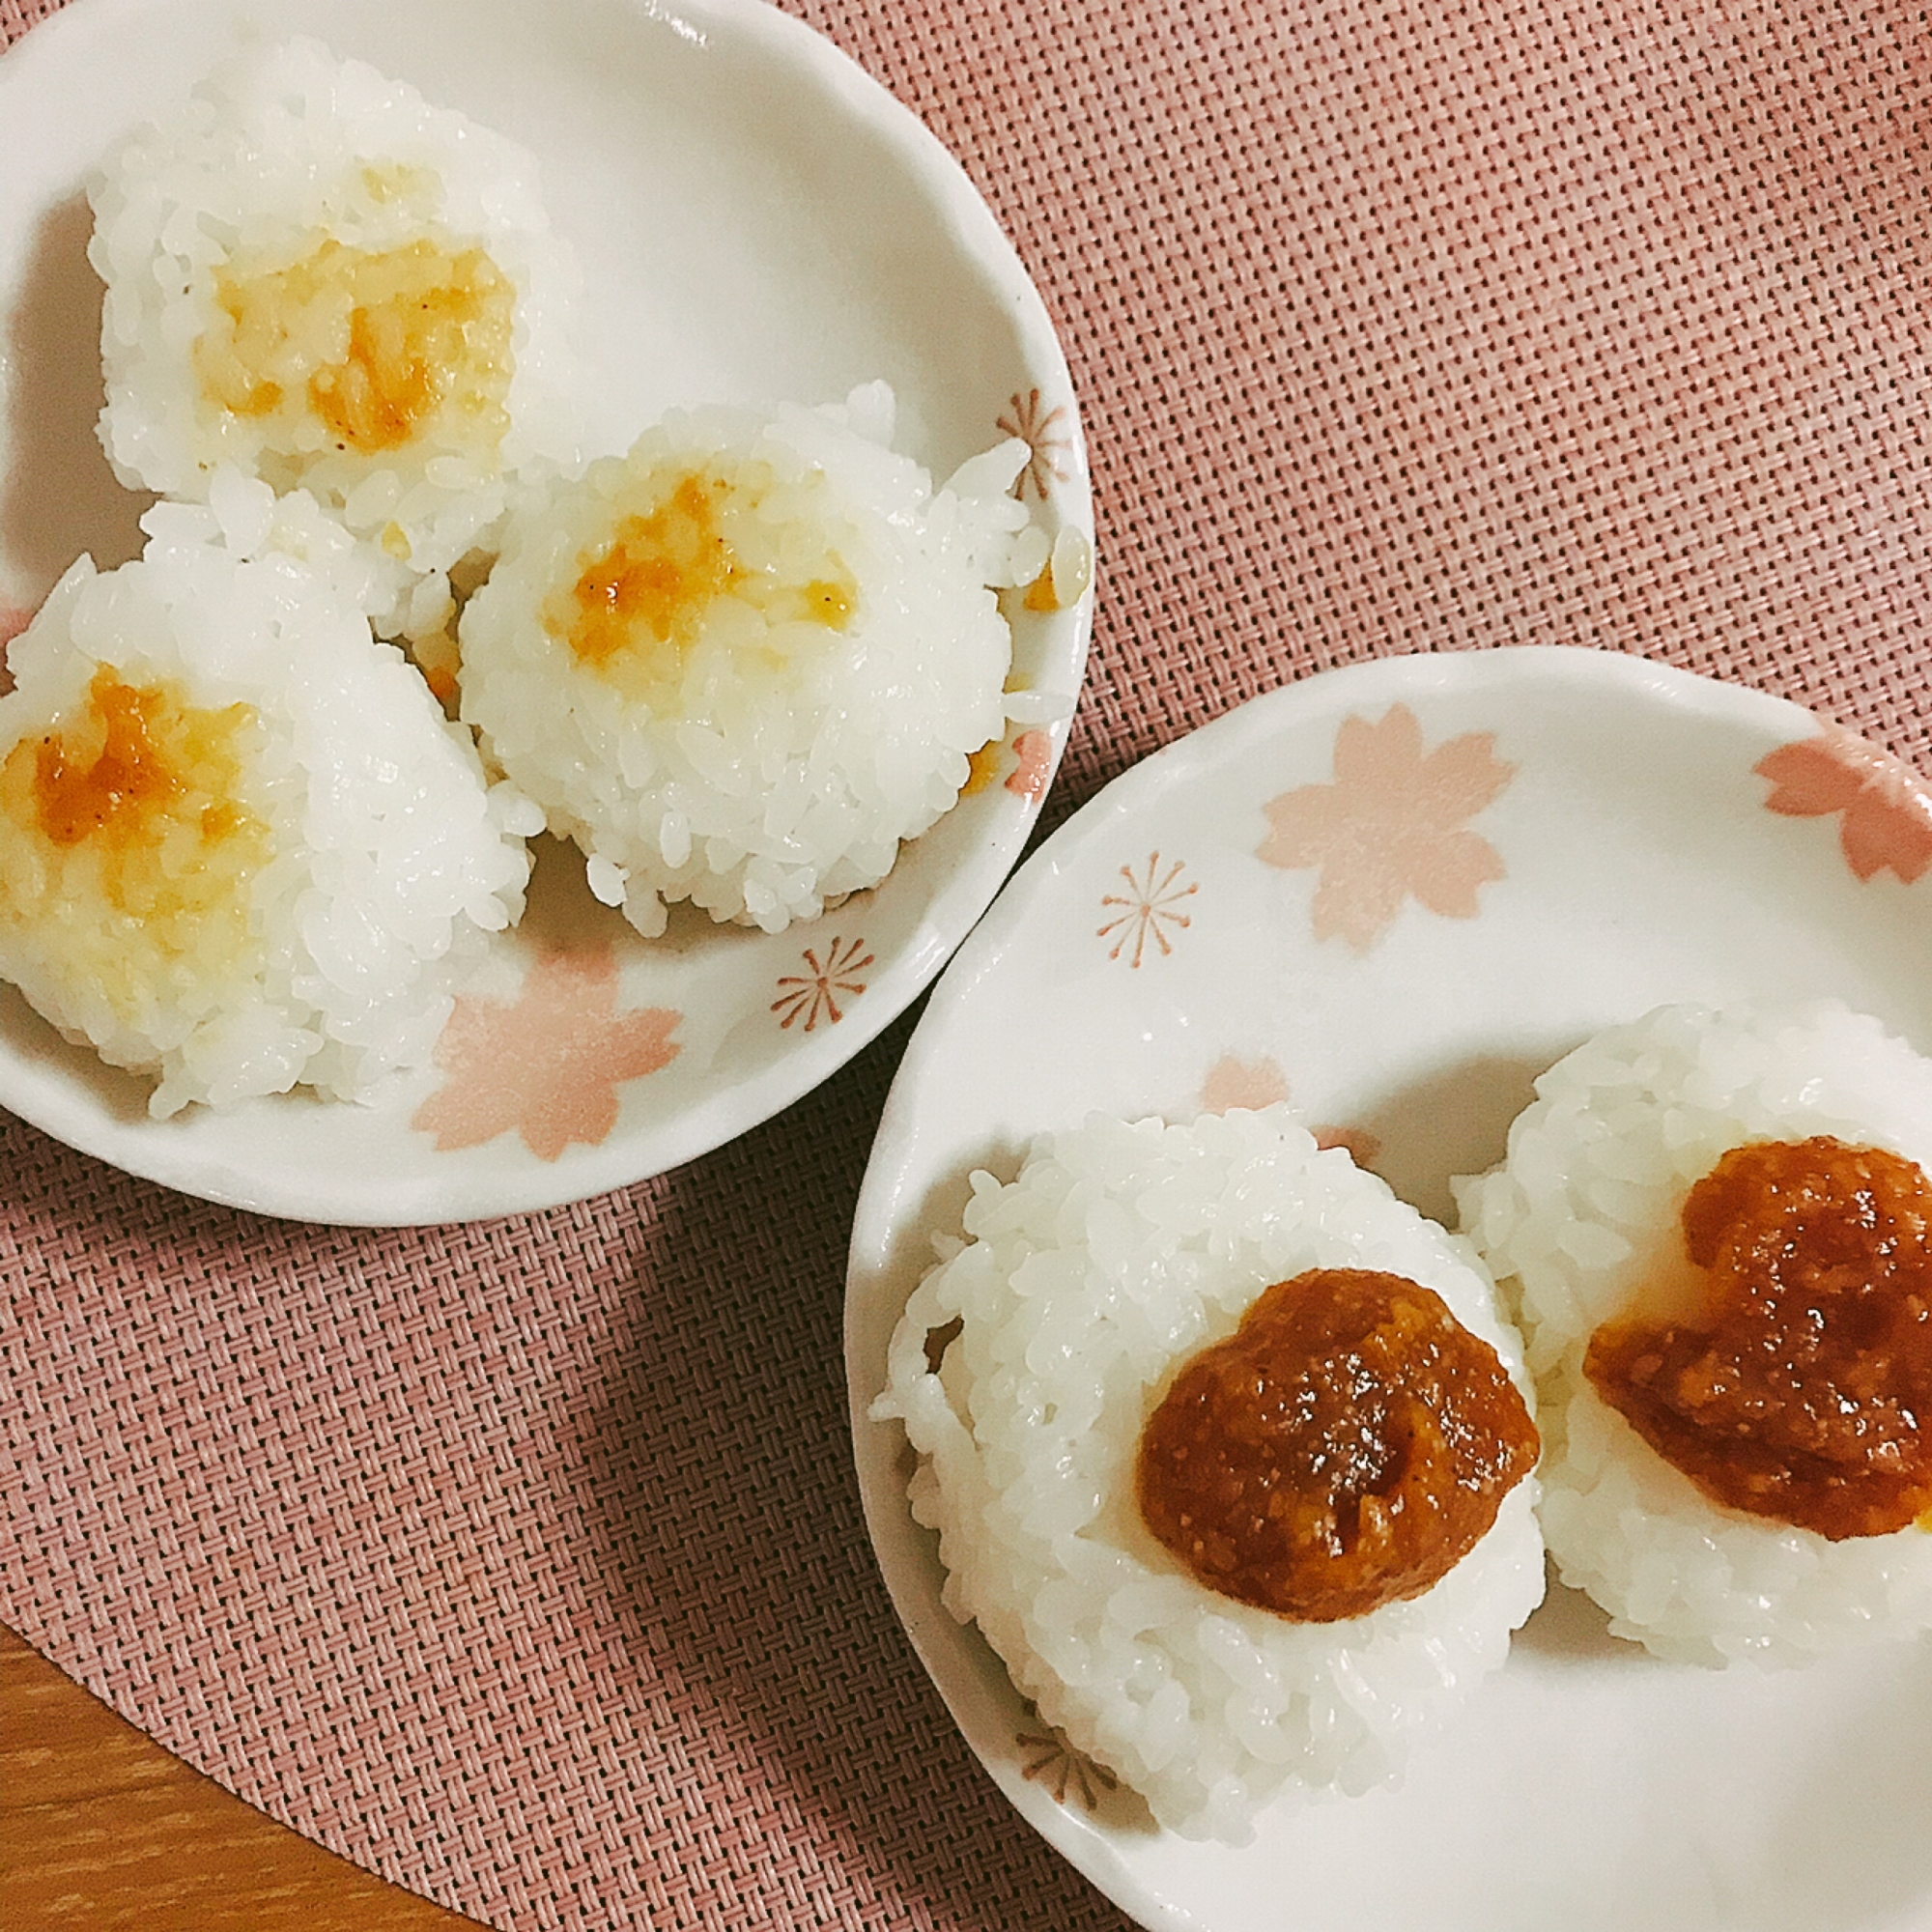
1582 1226
318 279
1118 1252
740 665
239 846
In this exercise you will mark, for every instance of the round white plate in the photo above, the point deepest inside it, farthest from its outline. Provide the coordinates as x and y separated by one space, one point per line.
755 221
1393 893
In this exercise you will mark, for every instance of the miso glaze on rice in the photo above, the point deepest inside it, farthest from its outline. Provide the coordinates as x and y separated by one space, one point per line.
742 663
239 846
1118 1252
318 279
1582 1227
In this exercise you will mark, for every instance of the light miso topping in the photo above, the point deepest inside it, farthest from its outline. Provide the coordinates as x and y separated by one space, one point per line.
350 350
686 546
124 835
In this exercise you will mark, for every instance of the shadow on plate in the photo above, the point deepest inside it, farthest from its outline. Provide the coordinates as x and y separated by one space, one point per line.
1456 1121
58 496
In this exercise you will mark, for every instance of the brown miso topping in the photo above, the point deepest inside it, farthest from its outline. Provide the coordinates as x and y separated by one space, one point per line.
1798 1393
378 346
1344 1448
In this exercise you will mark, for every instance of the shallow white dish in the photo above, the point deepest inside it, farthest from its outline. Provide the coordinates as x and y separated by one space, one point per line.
1595 834
755 221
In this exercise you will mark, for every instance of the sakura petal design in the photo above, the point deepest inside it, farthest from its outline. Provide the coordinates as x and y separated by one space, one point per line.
1391 825
547 1064
1884 806
1033 754
1234 1083
1361 1145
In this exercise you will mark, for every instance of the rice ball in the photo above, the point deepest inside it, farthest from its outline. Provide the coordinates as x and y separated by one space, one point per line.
241 848
1584 1226
740 665
317 278
1118 1253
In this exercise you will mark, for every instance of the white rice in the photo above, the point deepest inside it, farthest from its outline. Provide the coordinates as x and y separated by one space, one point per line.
764 760
291 165
1584 1213
318 942
1118 1252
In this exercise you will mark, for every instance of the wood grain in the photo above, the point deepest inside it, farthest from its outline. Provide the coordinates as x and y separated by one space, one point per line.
100 1828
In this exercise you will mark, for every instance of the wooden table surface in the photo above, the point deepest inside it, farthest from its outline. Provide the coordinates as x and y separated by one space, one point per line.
100 1828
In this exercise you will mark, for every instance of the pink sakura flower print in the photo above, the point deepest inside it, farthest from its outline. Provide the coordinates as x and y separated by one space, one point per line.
1248 1085
1886 808
1051 1762
547 1064
1025 419
1150 906
814 995
1033 756
1361 1145
1255 1083
1391 827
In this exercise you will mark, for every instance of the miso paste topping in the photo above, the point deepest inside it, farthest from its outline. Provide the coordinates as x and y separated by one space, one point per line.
1344 1448
1798 1392
686 548
124 844
361 351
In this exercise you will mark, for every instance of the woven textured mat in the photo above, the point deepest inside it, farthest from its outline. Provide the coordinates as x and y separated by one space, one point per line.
523 1562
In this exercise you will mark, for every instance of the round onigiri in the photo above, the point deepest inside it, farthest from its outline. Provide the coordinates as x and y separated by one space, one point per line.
241 848
1582 1226
742 663
1118 1252
317 279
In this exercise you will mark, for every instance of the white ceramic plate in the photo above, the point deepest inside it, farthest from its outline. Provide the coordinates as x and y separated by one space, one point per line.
1523 846
755 220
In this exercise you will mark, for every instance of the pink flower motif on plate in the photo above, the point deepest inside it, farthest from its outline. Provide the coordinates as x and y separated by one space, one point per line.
1036 429
1233 1084
1254 1084
1391 827
1884 806
814 995
1033 755
547 1064
1149 907
1362 1145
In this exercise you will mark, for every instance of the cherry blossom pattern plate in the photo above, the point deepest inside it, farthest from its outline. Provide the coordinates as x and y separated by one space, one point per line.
755 220
1392 895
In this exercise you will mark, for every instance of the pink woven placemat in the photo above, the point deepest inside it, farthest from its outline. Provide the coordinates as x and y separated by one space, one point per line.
522 1563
